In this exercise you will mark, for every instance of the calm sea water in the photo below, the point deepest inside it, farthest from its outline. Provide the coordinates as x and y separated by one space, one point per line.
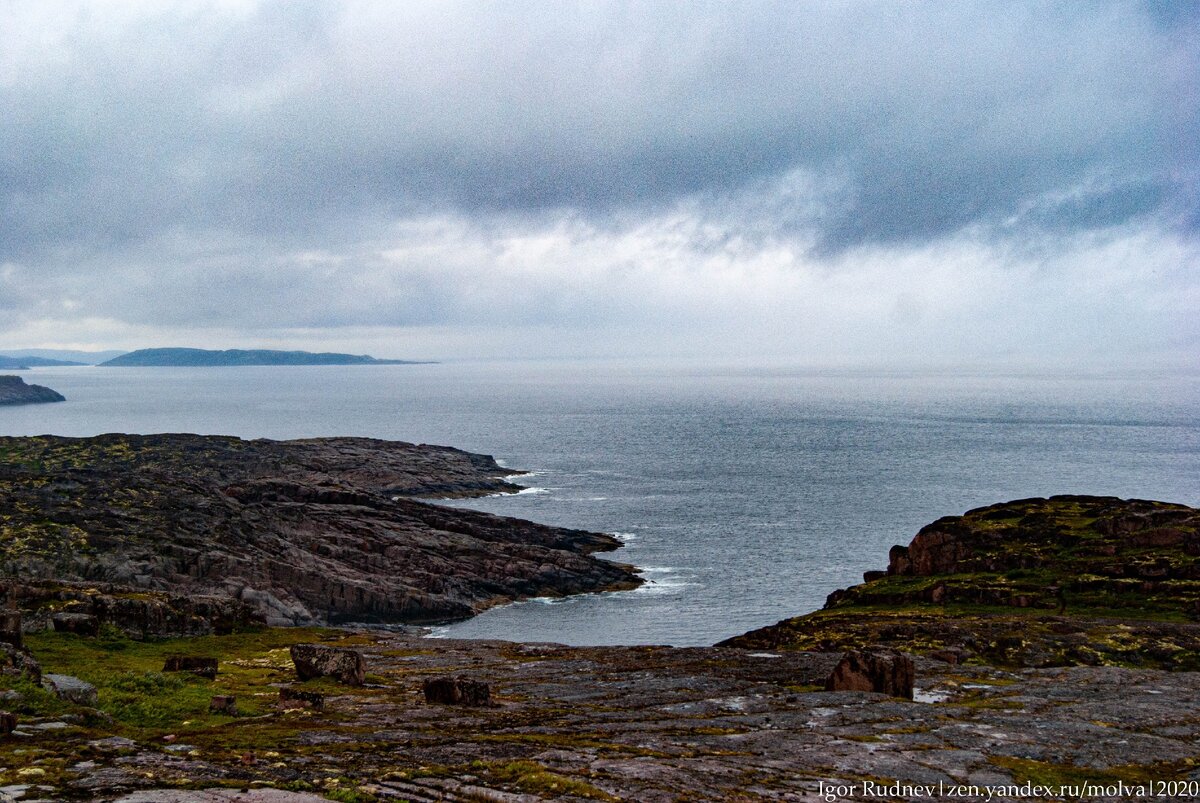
746 495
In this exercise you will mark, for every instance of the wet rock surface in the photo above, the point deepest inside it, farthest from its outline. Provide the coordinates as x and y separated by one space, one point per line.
298 532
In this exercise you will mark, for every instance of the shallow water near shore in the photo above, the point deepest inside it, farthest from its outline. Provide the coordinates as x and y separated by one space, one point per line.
746 495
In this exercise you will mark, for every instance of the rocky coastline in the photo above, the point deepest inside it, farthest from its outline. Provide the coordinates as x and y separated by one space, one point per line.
302 532
1037 649
14 390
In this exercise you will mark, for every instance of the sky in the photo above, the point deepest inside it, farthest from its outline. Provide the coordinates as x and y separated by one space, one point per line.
824 183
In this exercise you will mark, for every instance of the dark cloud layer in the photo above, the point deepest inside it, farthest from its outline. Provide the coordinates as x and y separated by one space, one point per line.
935 116
151 142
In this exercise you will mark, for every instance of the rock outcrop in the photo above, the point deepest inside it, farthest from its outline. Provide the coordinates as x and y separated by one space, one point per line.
84 608
13 390
880 670
456 691
319 661
1035 582
71 689
300 532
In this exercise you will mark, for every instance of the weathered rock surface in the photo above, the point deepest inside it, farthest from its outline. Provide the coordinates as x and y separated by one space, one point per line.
19 662
1035 582
319 661
220 796
300 531
79 606
81 624
300 698
13 390
456 691
880 670
658 724
70 688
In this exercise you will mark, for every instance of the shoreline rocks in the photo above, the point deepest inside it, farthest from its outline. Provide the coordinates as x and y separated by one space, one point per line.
299 532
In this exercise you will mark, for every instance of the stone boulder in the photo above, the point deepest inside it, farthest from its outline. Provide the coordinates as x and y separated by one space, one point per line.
317 660
879 669
19 661
71 689
81 624
10 628
223 704
457 691
8 723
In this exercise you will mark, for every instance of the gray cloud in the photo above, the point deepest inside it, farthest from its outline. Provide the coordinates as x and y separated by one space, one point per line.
164 164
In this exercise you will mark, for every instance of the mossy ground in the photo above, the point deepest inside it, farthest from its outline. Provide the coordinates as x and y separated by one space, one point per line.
138 701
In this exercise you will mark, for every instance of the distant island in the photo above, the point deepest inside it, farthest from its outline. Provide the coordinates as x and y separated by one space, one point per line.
13 390
25 363
180 357
36 358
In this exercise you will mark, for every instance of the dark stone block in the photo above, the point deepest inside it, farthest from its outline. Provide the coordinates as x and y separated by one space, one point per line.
204 667
10 628
81 624
457 691
298 698
317 660
223 704
881 669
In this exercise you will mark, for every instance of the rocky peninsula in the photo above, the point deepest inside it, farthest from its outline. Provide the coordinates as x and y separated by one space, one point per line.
301 532
1039 649
13 390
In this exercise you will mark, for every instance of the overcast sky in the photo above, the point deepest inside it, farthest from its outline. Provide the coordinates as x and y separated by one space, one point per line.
825 183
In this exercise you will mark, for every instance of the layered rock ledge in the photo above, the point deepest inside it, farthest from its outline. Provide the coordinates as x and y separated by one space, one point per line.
13 390
301 532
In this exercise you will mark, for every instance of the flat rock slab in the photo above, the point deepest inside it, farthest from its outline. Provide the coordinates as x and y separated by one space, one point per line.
219 796
660 724
71 688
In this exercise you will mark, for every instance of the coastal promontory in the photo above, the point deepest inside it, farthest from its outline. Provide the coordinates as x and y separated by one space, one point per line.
188 357
14 390
301 532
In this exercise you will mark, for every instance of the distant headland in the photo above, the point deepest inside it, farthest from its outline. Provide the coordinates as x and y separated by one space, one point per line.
8 363
13 390
184 357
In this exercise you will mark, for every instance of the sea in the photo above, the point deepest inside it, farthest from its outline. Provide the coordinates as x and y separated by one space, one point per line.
744 494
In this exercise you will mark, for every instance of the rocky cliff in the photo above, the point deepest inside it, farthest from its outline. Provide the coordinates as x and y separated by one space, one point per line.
1033 582
13 390
303 531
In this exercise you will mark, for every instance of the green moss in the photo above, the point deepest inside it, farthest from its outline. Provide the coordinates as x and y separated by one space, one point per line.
534 778
1057 775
